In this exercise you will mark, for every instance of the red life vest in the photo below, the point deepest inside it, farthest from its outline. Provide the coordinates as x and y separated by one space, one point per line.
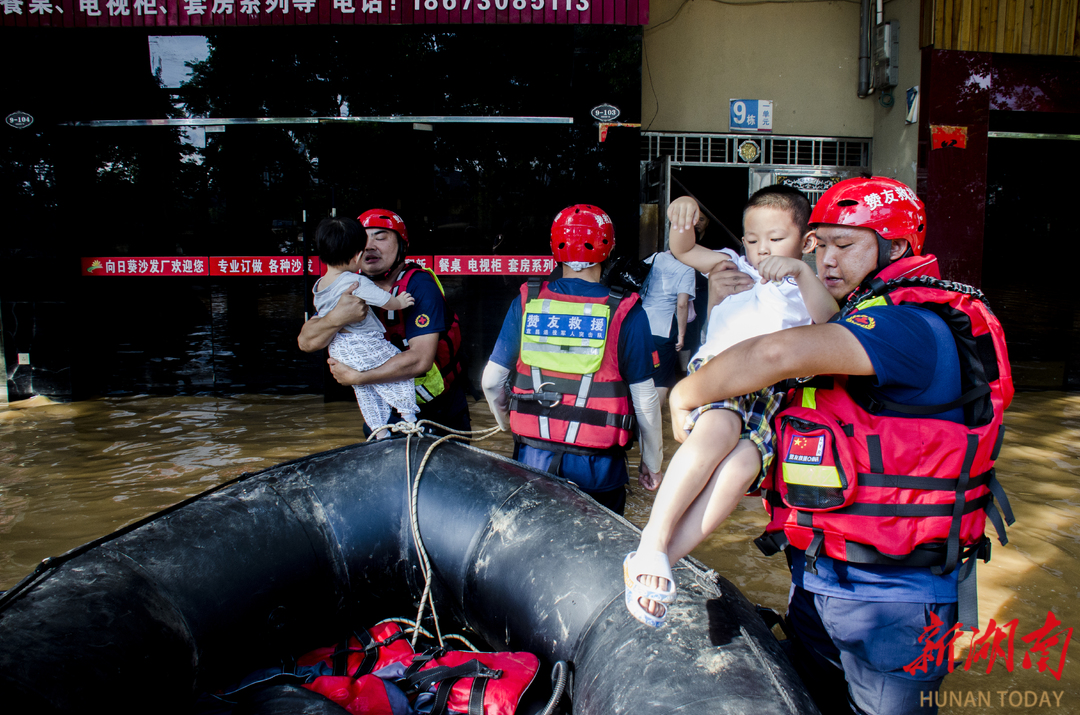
460 682
472 683
364 651
448 353
863 487
569 412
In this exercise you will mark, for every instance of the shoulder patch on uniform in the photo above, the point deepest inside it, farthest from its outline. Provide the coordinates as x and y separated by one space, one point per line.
863 321
422 320
655 359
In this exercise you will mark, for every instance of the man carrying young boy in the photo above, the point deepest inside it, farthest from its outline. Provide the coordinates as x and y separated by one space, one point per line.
731 444
883 477
427 332
361 345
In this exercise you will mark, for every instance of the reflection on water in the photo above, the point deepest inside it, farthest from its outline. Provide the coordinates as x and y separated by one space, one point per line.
73 472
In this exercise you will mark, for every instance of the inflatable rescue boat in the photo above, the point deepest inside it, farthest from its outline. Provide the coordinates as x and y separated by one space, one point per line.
192 599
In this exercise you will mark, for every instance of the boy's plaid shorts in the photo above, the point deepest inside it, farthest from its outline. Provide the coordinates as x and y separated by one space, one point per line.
756 411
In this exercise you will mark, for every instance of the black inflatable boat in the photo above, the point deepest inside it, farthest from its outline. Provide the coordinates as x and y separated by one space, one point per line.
193 598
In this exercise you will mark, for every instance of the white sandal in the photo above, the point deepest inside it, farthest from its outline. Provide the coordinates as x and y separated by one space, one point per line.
647 563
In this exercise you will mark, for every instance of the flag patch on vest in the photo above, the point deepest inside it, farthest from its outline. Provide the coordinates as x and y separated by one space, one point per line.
422 320
806 450
655 359
863 321
566 326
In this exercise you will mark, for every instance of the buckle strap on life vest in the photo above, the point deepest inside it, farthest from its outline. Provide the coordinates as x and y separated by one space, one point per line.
910 510
959 506
538 385
476 693
572 413
772 542
447 676
559 386
424 679
368 646
1002 502
814 550
579 402
939 484
874 405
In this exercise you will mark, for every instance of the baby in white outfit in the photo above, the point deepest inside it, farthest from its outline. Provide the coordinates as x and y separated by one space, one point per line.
361 346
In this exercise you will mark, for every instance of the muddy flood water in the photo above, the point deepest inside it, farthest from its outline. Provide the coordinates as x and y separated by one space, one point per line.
73 472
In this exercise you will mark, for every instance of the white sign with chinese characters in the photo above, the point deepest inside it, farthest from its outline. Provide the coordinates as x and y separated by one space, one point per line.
751 115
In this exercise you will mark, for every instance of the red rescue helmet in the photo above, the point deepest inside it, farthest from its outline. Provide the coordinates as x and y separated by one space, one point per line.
381 218
881 204
582 233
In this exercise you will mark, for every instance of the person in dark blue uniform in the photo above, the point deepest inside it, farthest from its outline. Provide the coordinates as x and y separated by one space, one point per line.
575 400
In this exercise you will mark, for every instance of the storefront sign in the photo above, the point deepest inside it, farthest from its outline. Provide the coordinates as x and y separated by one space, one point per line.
249 13
271 266
145 266
493 265
256 265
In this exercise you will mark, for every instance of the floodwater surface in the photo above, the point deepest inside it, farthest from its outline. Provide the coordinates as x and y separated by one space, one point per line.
70 473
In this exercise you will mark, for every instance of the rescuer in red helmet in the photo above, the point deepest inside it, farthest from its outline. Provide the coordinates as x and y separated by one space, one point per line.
427 333
883 474
578 359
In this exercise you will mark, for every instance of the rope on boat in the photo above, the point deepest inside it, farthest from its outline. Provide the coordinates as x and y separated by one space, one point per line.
413 626
416 428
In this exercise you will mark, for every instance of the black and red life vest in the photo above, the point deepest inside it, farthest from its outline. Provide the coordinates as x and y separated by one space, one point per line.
863 487
376 672
567 393
447 363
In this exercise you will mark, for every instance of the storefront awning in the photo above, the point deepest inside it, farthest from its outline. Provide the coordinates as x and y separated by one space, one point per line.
209 14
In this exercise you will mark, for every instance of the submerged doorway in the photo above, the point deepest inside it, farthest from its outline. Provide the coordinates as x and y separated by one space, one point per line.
1029 228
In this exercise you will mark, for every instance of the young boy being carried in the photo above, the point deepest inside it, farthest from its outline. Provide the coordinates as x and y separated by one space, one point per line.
726 446
362 346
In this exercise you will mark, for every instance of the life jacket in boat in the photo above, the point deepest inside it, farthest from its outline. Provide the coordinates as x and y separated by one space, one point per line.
471 683
437 682
447 366
567 394
363 652
357 670
863 487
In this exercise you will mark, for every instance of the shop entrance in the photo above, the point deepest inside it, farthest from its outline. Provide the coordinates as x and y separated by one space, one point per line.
94 178
1030 228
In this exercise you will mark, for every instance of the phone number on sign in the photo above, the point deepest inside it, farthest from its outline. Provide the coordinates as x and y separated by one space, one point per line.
580 5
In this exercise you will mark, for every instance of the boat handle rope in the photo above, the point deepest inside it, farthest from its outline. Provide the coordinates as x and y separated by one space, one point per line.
560 672
417 428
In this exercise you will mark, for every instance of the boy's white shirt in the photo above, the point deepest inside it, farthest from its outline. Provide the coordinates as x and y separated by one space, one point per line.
761 310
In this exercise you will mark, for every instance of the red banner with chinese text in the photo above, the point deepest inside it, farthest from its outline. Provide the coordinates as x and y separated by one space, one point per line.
269 266
255 13
493 265
145 266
